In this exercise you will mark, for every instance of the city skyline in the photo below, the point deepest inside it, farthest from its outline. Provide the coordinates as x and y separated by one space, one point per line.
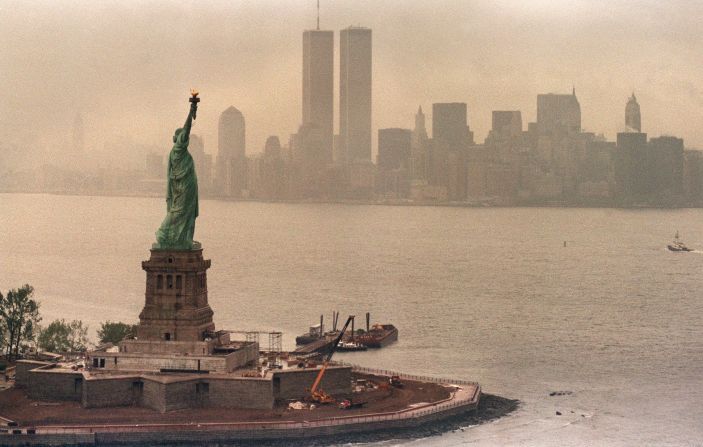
261 76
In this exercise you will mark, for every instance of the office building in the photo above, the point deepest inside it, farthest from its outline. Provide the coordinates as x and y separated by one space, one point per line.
355 93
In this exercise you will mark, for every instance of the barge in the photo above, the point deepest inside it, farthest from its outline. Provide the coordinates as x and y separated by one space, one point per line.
378 336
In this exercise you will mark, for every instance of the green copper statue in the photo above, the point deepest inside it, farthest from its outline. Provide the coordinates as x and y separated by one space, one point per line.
176 231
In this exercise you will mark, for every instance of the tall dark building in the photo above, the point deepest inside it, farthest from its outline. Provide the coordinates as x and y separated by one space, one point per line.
631 176
355 93
666 166
507 123
449 125
310 159
318 84
633 119
231 153
451 139
419 152
394 147
558 114
272 174
272 148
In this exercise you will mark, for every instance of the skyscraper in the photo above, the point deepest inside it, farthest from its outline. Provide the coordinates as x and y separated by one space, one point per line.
665 163
231 153
318 84
451 139
449 125
558 114
633 119
419 155
394 149
631 176
355 93
507 123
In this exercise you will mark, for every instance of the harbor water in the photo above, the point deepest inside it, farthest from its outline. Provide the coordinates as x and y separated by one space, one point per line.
612 320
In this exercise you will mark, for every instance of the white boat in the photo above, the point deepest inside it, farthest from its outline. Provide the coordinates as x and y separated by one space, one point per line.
677 245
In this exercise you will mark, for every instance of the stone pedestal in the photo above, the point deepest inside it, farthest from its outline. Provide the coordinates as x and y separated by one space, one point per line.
176 308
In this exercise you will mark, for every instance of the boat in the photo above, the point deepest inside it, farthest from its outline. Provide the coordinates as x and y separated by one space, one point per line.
677 245
350 346
379 335
314 333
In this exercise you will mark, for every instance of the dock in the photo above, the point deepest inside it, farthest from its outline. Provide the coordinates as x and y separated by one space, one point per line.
321 345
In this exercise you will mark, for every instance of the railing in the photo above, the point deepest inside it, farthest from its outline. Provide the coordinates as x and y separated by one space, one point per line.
385 372
458 398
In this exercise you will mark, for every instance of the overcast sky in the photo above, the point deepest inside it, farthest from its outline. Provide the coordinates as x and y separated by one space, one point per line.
127 66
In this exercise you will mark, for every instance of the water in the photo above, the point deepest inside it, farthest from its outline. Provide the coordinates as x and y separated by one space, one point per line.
486 294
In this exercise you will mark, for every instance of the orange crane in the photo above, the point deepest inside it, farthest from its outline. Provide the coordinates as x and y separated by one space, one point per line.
316 394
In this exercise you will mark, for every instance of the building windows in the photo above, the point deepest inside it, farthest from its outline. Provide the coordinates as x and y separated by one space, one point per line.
167 336
99 362
169 281
160 281
179 282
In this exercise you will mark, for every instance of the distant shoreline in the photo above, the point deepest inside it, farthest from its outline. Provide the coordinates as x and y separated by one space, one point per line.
487 204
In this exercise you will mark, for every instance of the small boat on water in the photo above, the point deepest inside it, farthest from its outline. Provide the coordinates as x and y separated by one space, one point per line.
677 245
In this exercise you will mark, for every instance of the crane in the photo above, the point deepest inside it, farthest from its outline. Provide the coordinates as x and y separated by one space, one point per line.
317 395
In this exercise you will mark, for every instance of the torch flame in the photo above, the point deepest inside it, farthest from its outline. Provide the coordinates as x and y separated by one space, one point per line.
194 92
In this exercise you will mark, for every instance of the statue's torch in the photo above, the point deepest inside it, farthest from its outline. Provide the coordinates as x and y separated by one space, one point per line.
195 100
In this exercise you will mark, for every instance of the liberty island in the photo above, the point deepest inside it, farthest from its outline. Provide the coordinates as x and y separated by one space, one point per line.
178 360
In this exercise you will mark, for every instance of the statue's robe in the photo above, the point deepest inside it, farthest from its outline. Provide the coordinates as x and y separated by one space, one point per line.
181 197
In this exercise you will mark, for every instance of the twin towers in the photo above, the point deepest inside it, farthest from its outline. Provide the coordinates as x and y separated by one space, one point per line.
354 141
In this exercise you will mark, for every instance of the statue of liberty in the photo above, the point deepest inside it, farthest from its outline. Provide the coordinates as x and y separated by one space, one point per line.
176 231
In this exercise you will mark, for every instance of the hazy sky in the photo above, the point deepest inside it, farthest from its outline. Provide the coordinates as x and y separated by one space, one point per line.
127 66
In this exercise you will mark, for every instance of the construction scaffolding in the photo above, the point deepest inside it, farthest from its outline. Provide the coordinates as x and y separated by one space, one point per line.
275 349
252 336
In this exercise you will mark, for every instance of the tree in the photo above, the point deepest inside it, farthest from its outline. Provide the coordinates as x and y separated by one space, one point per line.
19 317
114 333
61 336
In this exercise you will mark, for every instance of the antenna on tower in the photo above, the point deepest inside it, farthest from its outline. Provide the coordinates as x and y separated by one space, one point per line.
318 15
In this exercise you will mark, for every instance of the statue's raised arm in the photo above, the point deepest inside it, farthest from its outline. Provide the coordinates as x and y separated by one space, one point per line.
189 121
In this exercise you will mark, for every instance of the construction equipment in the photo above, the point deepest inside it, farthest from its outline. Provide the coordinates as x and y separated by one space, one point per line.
396 382
317 394
347 404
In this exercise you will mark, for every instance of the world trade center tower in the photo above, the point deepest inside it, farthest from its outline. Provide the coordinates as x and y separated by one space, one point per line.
355 93
318 84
